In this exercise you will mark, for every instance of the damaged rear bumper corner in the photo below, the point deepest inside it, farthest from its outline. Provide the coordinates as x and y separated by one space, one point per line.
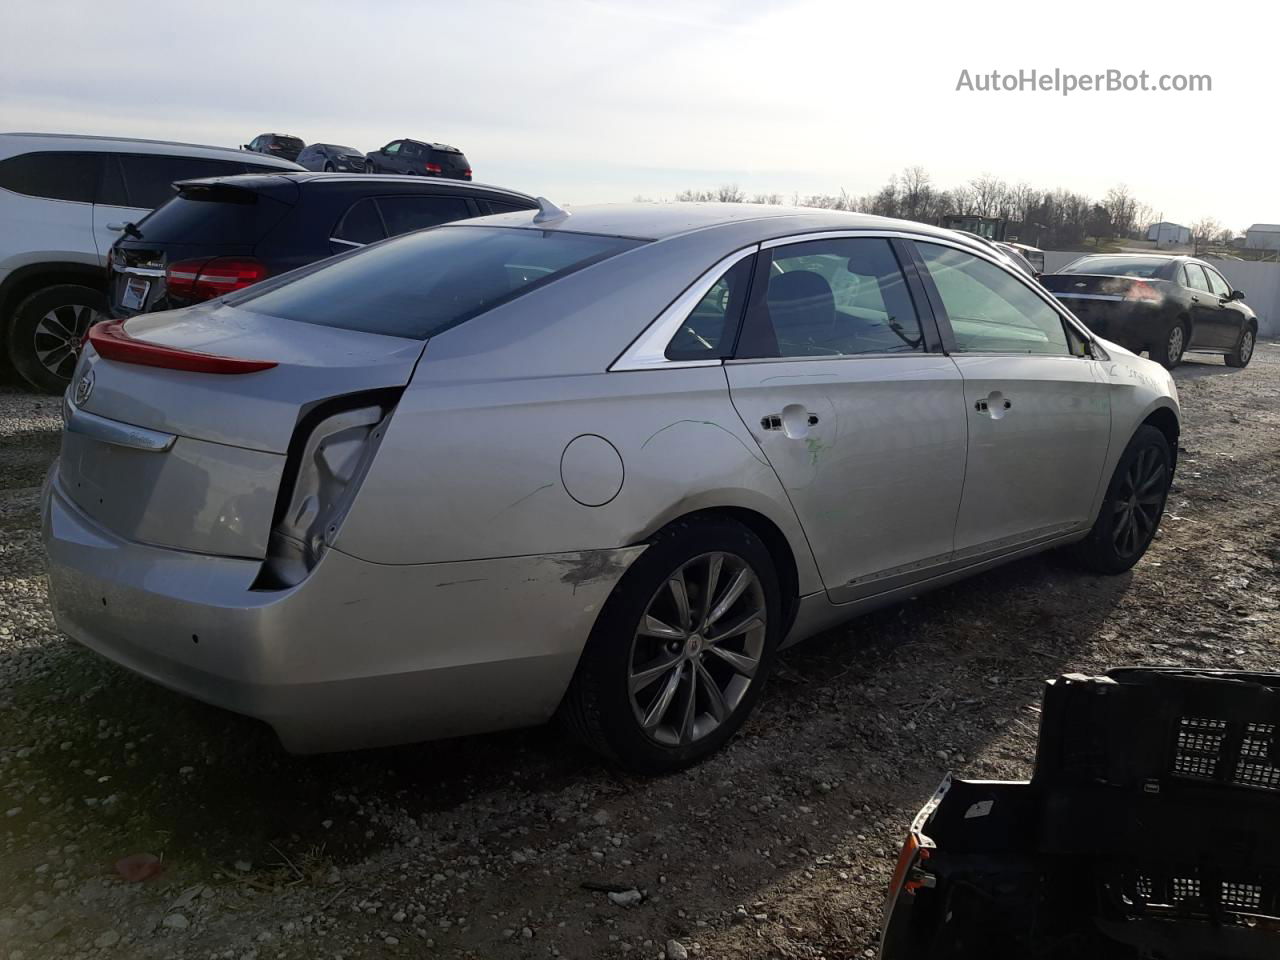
359 654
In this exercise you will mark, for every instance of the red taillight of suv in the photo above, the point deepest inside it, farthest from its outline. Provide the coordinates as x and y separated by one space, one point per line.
432 167
467 173
195 280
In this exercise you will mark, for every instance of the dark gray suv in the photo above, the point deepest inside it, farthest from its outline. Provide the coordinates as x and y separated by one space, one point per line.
418 159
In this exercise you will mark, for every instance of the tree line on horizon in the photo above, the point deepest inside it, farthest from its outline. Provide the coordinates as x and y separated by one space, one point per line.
1043 218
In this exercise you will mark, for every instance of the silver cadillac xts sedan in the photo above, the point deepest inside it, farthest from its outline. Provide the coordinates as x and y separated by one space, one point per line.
601 465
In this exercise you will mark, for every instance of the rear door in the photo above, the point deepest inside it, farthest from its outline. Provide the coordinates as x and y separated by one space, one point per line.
1038 411
52 204
863 423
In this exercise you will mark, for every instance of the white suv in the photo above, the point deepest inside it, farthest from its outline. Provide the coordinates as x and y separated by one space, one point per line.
63 201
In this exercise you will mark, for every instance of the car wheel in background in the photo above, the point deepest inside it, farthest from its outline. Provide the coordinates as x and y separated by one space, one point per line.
369 167
1134 504
681 649
47 330
1168 352
1243 352
328 167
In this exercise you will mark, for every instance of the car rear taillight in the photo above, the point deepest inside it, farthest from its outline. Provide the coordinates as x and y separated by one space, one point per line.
112 342
1142 291
432 167
467 173
196 280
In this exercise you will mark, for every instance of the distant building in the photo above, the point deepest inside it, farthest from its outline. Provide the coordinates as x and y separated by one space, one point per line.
1167 234
1263 236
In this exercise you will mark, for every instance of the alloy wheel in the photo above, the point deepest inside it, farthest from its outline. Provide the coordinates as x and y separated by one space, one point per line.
59 335
697 649
1176 343
1246 347
1138 502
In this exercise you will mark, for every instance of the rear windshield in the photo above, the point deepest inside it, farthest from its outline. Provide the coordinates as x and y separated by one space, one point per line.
291 143
422 283
1148 267
211 214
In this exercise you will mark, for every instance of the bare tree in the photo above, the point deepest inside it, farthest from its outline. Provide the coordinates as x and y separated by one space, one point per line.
1205 229
1121 209
731 193
988 194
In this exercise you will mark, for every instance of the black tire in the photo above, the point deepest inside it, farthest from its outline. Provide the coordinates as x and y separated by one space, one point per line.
598 708
1108 548
1168 352
369 167
1242 353
43 358
328 167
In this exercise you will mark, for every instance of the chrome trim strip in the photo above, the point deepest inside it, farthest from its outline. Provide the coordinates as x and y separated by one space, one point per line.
138 271
649 350
116 433
1088 296
347 243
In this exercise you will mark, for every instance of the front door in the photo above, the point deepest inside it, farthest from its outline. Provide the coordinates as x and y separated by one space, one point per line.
1037 408
863 426
1229 317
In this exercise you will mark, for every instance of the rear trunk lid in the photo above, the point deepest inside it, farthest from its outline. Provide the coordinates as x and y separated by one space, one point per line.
194 460
1104 302
452 161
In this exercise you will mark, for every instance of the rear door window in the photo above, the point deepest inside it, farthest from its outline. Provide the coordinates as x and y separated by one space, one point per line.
1195 277
360 225
149 178
503 206
422 283
52 175
833 298
991 310
402 214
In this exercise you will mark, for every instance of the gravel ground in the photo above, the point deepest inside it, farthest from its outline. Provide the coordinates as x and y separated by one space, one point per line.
518 845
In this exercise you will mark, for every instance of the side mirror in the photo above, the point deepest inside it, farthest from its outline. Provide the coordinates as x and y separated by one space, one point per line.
1236 295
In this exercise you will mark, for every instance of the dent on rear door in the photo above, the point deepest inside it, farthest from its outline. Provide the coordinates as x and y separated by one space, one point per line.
871 452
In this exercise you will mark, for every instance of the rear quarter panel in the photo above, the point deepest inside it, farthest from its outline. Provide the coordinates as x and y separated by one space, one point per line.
477 470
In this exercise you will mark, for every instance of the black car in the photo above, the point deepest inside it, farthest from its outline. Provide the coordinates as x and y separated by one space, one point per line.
418 159
276 145
226 233
332 158
1159 303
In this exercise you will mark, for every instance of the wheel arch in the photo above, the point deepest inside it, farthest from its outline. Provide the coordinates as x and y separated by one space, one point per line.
774 540
24 281
1166 421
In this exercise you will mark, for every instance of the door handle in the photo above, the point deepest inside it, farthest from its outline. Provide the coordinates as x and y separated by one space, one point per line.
1195 299
774 421
993 405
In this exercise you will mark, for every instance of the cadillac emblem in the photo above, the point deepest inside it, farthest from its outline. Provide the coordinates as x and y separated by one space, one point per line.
83 388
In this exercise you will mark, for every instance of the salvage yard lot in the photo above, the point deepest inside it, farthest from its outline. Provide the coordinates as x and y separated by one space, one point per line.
508 845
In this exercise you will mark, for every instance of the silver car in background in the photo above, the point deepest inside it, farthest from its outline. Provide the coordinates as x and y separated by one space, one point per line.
603 465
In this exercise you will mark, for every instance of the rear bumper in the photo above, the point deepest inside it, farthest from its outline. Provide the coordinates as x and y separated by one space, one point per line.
357 655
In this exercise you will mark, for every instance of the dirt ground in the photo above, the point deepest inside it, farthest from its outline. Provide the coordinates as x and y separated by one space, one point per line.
509 846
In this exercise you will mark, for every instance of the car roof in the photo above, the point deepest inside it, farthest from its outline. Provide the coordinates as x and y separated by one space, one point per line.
311 179
433 146
1135 256
11 143
661 221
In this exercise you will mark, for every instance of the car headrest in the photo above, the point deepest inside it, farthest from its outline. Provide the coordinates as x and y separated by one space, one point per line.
800 298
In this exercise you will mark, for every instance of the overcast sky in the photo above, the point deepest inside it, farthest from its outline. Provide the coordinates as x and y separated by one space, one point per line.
598 100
